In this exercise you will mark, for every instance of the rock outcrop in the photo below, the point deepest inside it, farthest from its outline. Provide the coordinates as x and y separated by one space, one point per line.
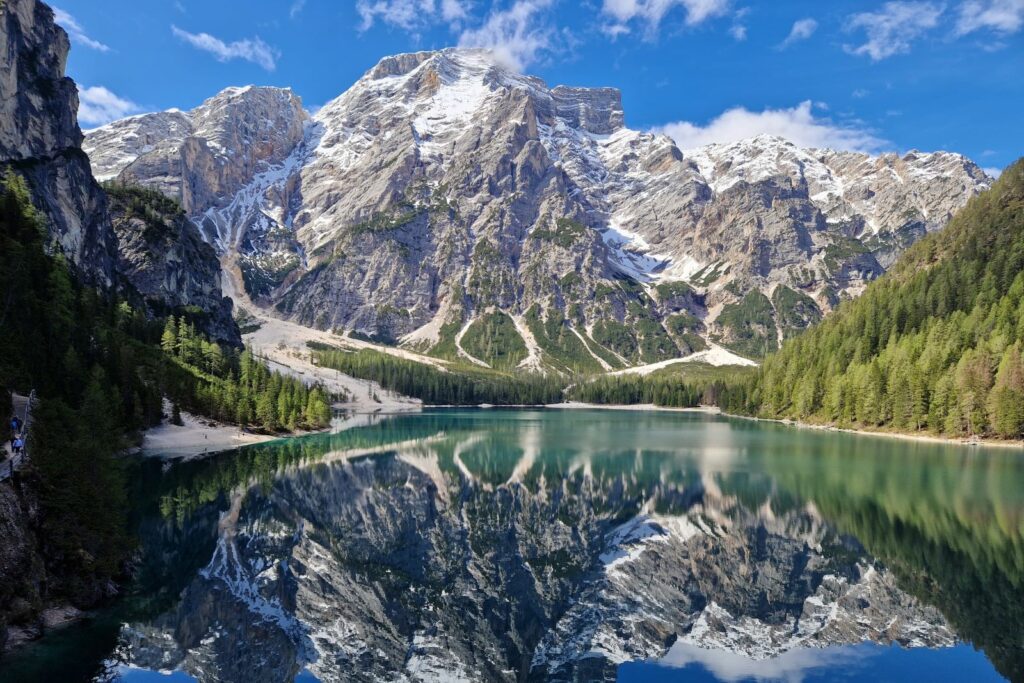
21 569
162 256
40 138
441 188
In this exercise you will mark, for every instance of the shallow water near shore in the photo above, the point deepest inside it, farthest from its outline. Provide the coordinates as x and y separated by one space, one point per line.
566 545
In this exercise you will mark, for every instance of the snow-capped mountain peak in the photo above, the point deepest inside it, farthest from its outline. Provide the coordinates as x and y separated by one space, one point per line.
442 185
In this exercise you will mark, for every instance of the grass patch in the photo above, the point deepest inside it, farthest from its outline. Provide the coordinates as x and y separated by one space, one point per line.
387 221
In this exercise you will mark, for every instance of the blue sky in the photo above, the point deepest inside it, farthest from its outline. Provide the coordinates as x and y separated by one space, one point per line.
868 75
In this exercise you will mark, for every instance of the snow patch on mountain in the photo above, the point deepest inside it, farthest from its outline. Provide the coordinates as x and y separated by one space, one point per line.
632 256
714 355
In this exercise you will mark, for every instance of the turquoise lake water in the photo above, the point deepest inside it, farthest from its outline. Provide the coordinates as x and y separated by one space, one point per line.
566 545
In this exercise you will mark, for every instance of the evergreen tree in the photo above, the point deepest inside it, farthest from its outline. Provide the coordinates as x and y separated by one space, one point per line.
266 411
973 382
169 338
1006 402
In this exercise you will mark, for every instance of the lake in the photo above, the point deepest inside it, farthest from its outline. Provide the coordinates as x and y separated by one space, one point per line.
566 545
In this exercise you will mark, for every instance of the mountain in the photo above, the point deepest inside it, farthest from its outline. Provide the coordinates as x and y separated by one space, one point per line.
206 157
937 344
40 141
443 196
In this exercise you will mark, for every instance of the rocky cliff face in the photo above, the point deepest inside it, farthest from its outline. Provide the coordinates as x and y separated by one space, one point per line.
40 138
21 567
206 157
442 190
164 258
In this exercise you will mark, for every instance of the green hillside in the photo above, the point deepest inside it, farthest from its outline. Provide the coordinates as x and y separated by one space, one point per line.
935 345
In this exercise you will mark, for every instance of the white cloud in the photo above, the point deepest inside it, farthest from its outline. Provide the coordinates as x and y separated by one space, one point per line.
993 171
97 105
613 31
517 35
738 30
514 35
891 30
453 10
76 32
860 93
249 49
411 15
802 30
296 8
651 12
407 14
798 125
1003 16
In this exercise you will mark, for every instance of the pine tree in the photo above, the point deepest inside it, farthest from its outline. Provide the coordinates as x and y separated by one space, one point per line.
973 382
1006 402
169 338
283 406
242 412
214 358
266 411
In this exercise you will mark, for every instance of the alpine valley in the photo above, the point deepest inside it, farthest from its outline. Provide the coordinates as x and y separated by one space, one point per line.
444 198
248 356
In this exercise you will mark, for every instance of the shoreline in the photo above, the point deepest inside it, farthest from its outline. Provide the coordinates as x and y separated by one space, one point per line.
49 620
714 410
579 405
197 437
926 438
200 437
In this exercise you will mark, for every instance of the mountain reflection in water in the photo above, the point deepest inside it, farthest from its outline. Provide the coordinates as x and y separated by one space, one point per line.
578 545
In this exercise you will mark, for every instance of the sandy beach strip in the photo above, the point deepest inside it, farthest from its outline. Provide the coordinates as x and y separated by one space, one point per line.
196 437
